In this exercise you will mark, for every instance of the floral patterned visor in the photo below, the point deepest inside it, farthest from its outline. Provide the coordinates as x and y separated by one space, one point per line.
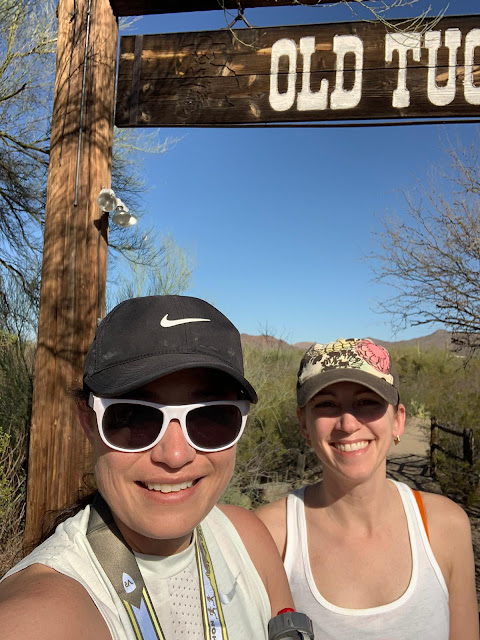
352 360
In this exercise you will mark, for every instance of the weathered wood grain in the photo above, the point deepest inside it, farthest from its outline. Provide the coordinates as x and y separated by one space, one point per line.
220 77
72 295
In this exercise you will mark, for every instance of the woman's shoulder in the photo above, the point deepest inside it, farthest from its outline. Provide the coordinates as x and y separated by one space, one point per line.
274 516
451 542
248 525
261 548
279 507
42 603
442 513
272 511
449 532
445 514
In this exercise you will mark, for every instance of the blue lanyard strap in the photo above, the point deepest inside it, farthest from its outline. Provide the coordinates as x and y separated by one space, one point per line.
121 568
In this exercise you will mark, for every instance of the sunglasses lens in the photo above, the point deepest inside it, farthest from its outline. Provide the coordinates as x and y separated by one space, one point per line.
215 426
131 426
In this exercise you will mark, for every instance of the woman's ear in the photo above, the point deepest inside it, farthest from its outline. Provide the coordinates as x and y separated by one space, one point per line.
87 417
303 424
399 427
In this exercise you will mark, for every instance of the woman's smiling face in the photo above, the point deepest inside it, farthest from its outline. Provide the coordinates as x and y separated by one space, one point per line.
159 496
350 428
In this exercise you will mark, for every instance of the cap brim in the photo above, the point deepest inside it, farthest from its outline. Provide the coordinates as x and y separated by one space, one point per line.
313 385
122 378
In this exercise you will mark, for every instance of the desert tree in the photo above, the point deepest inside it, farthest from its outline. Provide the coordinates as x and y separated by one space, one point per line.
168 272
27 45
429 253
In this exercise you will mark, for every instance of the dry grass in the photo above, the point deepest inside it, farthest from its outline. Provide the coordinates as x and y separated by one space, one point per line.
12 522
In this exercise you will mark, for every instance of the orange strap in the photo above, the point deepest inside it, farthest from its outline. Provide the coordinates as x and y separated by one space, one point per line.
421 507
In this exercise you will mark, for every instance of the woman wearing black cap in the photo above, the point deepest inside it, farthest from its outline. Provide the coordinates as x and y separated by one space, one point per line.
164 402
366 557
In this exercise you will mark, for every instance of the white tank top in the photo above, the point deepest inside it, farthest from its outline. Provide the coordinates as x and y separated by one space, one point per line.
421 612
172 582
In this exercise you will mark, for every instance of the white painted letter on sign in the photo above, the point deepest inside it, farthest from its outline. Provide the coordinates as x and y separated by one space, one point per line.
283 101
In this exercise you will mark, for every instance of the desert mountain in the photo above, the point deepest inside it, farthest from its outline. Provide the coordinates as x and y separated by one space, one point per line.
440 339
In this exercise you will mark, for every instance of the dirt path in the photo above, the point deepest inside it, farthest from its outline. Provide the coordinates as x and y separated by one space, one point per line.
414 440
408 462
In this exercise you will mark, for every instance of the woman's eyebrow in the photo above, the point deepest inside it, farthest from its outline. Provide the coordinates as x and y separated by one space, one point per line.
361 391
323 394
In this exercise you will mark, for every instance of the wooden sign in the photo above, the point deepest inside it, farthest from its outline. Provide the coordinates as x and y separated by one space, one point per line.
343 71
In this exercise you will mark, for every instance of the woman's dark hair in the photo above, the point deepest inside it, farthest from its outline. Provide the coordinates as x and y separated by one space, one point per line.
52 519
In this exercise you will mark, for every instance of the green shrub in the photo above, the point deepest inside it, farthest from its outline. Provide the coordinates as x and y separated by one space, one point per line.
16 376
269 447
459 480
442 384
16 384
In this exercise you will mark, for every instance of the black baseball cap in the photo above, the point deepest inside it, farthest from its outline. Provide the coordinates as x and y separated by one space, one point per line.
143 339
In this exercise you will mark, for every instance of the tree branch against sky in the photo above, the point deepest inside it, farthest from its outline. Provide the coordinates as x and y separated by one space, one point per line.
27 66
430 252
27 73
365 10
379 10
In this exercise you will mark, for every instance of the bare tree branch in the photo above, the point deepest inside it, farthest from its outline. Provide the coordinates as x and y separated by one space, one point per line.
430 253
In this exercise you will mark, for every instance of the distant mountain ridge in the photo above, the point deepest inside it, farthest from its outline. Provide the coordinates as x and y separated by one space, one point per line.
440 339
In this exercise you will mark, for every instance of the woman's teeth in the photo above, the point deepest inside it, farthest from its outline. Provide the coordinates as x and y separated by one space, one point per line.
354 446
168 488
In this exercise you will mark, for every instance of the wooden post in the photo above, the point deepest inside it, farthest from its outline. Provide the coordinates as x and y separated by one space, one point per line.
468 445
72 294
434 439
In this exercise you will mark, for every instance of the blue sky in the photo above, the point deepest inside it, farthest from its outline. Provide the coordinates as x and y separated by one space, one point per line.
278 221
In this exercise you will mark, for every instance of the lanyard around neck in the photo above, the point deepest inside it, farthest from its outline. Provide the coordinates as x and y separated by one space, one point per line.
121 568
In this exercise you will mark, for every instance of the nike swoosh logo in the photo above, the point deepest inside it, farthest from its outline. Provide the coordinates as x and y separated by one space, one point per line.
226 598
165 322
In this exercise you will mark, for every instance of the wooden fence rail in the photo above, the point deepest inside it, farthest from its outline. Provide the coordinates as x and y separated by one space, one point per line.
468 444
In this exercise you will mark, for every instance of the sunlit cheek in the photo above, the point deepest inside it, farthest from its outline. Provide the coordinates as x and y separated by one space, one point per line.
104 476
110 469
224 464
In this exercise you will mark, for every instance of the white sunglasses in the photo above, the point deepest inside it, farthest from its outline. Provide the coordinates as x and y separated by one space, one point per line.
136 425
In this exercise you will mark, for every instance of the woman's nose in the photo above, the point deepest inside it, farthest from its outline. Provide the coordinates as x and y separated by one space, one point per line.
173 449
349 422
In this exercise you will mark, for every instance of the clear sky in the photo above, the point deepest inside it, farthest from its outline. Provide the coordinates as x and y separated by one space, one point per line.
279 220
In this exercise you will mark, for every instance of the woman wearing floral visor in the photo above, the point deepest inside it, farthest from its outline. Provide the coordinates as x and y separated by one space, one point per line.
164 401
366 557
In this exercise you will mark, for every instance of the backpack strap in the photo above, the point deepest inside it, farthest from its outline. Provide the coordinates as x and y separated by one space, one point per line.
120 566
421 508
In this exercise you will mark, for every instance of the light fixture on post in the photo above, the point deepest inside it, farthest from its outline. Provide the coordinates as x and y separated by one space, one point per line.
122 216
108 201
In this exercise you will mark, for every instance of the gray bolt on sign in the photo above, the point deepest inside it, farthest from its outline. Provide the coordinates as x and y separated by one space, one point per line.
342 71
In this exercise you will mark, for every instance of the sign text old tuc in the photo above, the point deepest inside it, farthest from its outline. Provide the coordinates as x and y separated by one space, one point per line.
343 71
